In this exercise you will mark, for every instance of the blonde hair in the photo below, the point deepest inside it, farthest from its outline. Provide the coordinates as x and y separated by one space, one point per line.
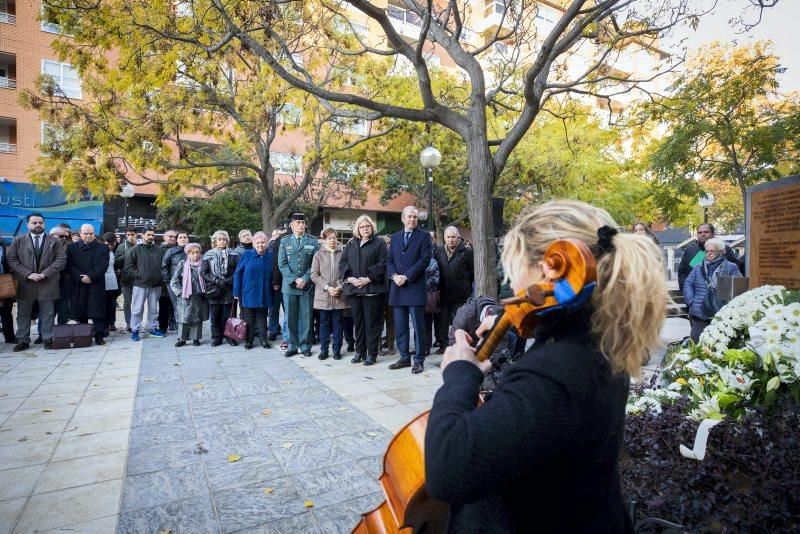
630 300
361 219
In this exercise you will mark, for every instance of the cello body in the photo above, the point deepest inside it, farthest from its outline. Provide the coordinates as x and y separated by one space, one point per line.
571 274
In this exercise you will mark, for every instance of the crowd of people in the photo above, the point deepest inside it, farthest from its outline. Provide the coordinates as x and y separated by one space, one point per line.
348 293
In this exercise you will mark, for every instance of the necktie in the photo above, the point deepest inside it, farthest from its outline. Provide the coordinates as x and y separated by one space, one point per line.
405 239
36 244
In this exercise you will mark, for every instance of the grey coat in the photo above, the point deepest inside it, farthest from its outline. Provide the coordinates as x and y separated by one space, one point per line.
194 309
22 262
325 271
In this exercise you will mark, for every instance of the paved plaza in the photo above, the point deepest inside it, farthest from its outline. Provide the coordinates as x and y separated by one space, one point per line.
146 438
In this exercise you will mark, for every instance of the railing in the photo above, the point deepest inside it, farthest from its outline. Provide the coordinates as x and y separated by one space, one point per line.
50 27
403 15
8 148
7 83
8 18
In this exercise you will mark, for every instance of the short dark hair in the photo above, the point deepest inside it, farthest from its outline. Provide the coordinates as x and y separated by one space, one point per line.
710 227
182 232
148 229
110 237
329 231
65 226
130 229
34 214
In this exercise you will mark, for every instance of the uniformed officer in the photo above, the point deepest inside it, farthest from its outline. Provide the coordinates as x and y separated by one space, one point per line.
294 261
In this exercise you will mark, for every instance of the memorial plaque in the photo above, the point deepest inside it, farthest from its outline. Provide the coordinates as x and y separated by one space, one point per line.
773 233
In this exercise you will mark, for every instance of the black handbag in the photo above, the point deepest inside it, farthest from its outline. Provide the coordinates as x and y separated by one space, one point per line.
215 290
712 302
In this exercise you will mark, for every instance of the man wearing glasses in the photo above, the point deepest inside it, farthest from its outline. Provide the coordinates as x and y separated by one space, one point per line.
36 259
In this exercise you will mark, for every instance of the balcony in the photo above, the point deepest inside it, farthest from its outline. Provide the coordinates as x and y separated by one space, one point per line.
405 22
8 12
493 14
8 71
8 135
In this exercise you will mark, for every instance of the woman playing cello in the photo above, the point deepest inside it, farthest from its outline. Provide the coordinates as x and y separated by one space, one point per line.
541 455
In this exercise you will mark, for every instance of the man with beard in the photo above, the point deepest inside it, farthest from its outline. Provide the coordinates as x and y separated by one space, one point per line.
87 262
36 259
143 267
166 311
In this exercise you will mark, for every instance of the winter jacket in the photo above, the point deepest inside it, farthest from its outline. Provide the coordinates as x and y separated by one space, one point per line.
325 271
367 260
456 273
194 309
172 257
91 259
119 261
21 261
696 287
691 251
143 265
252 280
241 249
432 277
225 281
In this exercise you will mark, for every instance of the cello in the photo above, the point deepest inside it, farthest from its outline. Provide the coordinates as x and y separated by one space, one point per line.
571 274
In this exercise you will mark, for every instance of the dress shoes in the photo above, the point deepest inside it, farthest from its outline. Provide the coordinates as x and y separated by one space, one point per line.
290 353
38 341
400 364
196 342
358 358
370 360
21 346
323 356
417 368
98 340
216 343
337 355
266 344
232 342
180 343
248 345
350 348
307 353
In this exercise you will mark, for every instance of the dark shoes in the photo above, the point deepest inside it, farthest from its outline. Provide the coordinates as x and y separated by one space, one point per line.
370 360
248 345
21 346
400 364
290 353
440 350
48 345
272 337
417 368
307 353
266 344
180 343
196 342
337 355
350 348
232 342
323 356
98 340
112 328
38 341
216 343
358 358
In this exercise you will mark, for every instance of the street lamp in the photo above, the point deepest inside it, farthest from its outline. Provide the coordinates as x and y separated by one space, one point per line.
127 192
430 159
705 202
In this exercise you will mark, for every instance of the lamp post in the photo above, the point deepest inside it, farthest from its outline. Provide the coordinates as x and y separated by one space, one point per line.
705 202
127 192
430 159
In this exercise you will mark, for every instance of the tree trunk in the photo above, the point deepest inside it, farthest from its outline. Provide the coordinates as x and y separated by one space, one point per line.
267 212
481 171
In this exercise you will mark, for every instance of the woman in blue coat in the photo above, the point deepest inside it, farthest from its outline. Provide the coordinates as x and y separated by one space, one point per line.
252 286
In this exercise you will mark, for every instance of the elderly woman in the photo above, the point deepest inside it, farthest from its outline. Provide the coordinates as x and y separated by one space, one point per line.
703 279
190 288
252 286
217 270
363 269
328 294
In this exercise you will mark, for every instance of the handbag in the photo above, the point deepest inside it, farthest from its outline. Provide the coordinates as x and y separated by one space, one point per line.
712 302
8 286
235 328
215 290
432 302
72 336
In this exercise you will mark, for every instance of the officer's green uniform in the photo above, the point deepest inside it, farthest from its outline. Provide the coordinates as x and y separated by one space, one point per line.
294 260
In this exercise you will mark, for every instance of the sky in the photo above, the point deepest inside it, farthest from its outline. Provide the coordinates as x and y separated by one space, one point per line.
778 24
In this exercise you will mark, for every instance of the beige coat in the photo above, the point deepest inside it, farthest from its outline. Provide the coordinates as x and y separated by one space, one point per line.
22 261
325 271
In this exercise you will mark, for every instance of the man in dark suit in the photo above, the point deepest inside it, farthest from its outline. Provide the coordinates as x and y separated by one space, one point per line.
36 259
409 256
6 304
87 262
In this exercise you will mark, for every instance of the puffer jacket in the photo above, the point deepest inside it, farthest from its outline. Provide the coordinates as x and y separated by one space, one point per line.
143 265
325 271
695 287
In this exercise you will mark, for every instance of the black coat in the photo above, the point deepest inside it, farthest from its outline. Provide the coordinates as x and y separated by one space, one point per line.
368 260
691 251
225 281
273 248
88 300
455 274
542 453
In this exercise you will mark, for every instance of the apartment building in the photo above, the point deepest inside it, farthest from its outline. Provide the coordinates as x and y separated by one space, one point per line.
26 52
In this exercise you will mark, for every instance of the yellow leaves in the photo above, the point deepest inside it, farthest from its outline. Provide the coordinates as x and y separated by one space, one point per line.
234 458
266 411
309 504
682 381
47 410
372 434
198 386
165 531
287 445
267 491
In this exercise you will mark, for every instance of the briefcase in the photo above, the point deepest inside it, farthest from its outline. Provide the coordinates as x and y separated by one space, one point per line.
72 336
235 328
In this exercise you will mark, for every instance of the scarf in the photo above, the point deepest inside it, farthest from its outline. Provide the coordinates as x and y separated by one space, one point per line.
187 278
710 268
218 261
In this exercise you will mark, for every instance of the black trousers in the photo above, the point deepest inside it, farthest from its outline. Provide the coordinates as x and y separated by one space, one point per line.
218 314
447 311
166 311
8 320
111 307
256 319
368 323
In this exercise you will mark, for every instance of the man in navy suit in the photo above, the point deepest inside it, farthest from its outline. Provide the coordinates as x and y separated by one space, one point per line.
409 256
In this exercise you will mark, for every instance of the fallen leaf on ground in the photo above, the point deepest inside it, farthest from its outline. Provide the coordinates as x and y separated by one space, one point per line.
165 532
308 504
288 445
71 403
199 386
234 458
372 434
342 409
47 410
177 363
266 411
149 379
267 490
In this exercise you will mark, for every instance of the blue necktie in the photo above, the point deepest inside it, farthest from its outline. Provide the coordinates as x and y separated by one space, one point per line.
405 239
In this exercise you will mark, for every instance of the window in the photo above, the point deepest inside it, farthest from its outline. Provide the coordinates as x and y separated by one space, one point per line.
343 171
65 76
350 126
49 23
8 77
349 27
289 114
546 18
8 12
8 135
285 163
403 15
